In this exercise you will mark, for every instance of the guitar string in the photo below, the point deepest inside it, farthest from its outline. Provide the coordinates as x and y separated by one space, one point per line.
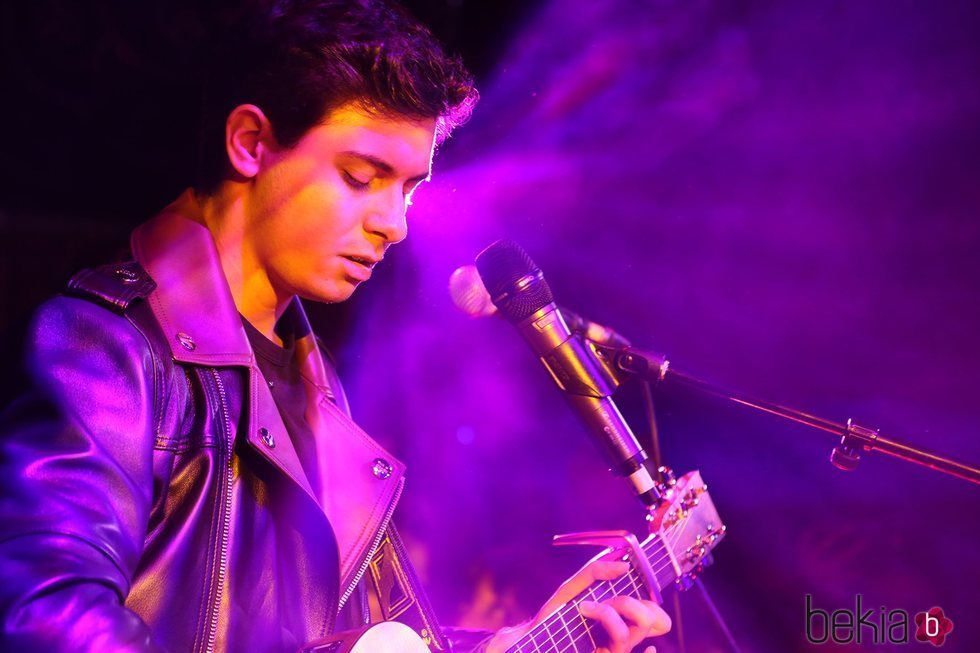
629 581
613 587
575 631
612 590
658 542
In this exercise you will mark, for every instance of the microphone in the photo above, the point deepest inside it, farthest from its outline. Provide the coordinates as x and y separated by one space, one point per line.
471 297
518 290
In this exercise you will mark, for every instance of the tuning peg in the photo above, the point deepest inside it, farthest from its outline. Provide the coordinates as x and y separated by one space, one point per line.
712 534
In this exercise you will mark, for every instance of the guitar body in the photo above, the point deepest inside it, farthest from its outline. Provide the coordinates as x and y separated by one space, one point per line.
384 637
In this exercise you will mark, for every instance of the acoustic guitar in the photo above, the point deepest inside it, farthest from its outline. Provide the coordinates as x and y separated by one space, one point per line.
684 529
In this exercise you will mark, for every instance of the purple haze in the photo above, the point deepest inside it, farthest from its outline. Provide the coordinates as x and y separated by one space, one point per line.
784 197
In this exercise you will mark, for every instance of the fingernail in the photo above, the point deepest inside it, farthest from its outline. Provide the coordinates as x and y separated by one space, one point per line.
586 606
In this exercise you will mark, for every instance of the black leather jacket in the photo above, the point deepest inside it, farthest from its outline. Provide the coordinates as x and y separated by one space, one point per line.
150 498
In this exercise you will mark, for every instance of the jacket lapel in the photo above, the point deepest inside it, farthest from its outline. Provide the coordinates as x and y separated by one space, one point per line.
192 302
361 481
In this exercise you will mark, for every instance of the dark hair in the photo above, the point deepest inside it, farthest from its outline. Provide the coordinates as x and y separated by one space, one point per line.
299 59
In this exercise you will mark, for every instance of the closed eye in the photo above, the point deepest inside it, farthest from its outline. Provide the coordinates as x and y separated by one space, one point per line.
354 182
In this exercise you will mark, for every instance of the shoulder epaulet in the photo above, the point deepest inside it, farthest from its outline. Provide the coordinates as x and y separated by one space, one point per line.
114 286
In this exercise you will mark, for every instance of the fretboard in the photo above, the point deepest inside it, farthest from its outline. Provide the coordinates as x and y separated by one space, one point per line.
568 631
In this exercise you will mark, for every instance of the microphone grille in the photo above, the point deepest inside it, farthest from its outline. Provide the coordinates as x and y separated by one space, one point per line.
516 285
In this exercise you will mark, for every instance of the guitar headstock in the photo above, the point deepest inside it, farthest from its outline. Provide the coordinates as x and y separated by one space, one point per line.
687 523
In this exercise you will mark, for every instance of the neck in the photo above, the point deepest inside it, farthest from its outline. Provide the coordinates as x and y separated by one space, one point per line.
224 215
566 630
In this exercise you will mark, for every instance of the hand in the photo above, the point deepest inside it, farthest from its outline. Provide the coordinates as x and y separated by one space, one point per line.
627 621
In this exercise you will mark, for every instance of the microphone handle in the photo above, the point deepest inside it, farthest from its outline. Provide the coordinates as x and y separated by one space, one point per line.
588 387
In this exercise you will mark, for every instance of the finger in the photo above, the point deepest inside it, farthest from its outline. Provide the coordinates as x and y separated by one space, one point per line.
598 570
661 620
603 570
643 618
640 618
650 649
616 629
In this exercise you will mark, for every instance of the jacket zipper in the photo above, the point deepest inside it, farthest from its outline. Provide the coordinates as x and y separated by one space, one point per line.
374 546
226 517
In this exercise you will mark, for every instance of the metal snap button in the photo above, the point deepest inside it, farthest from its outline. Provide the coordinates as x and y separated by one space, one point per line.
186 341
381 468
267 437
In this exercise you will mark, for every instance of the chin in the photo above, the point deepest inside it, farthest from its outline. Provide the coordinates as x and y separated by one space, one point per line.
334 294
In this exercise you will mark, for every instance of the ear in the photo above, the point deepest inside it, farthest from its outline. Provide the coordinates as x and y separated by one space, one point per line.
248 138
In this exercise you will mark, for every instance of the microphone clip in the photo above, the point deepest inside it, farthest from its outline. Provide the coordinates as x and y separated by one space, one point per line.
624 363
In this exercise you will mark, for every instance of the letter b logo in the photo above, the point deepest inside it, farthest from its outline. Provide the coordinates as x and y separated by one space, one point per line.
932 626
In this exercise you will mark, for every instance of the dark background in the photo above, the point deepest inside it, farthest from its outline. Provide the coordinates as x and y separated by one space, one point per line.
783 196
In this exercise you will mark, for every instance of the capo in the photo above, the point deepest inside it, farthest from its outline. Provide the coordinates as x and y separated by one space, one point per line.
615 541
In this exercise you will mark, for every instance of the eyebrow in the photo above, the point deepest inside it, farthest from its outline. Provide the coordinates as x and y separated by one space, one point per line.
383 165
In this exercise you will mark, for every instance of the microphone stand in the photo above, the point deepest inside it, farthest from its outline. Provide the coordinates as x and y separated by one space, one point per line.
678 628
854 438
678 622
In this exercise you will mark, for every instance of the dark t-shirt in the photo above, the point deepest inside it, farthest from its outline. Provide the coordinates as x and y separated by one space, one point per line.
280 368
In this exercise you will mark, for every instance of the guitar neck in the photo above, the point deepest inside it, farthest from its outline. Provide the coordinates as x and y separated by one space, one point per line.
568 631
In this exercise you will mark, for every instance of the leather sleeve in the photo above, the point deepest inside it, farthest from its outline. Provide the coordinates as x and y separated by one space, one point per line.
76 483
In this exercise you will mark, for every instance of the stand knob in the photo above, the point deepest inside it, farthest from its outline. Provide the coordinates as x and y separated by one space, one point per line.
845 457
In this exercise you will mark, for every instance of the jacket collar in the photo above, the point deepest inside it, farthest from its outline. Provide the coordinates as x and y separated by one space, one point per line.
192 301
195 308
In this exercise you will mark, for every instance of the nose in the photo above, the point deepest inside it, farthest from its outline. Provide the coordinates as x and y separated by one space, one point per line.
387 218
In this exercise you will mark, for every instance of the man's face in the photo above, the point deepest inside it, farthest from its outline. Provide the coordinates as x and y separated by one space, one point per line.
322 213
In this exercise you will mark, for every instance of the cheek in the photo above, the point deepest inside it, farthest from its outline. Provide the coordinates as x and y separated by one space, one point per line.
294 186
303 215
323 214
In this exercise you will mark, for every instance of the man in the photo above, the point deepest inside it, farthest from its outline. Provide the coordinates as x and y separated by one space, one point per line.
183 475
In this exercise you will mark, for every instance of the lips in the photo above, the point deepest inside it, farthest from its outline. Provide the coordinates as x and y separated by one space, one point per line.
359 266
368 261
